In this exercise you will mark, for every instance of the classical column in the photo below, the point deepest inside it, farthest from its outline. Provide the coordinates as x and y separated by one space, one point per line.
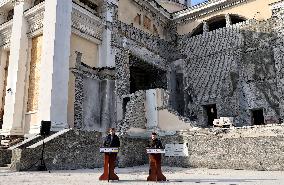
54 68
151 109
14 99
278 49
107 54
228 20
205 27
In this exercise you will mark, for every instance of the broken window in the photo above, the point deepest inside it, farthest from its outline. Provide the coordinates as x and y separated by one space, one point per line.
257 117
147 22
137 19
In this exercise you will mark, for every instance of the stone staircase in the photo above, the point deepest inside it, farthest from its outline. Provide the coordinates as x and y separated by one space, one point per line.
8 141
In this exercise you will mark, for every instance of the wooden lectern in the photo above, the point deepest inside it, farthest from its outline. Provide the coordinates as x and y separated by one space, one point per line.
109 163
155 171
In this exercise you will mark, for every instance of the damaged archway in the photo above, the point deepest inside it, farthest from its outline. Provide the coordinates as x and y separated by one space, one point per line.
144 75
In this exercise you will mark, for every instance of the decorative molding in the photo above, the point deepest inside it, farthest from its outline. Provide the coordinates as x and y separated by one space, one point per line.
161 15
5 34
173 2
87 23
203 9
35 17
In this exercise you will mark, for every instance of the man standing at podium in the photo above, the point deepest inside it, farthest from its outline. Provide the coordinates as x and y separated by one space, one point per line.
155 171
112 140
155 142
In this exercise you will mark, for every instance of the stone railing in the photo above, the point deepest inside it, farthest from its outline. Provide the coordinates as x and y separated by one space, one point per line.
35 17
85 23
147 40
5 33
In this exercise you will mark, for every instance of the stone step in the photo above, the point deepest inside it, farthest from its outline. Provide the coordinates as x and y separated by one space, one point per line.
27 142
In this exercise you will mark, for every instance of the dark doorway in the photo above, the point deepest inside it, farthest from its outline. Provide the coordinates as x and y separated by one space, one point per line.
124 104
211 112
257 117
144 76
179 94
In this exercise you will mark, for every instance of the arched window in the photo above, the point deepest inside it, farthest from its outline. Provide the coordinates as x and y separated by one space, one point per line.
198 30
216 22
236 18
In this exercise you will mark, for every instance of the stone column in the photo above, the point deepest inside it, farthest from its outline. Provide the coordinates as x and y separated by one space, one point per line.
205 27
278 50
151 109
54 69
107 54
14 99
228 20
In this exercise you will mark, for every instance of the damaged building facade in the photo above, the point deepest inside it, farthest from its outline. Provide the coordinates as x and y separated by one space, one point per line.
139 65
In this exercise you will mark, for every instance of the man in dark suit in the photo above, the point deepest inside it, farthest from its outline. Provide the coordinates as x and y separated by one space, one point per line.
155 142
112 140
155 171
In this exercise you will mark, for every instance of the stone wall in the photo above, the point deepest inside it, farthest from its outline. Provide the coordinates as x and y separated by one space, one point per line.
5 157
234 68
259 148
94 97
135 110
78 150
213 151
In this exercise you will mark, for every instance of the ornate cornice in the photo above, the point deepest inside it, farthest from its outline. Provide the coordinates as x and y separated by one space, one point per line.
86 23
173 2
35 17
203 9
5 34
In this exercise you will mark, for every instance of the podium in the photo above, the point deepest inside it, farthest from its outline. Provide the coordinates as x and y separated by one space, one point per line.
155 171
109 163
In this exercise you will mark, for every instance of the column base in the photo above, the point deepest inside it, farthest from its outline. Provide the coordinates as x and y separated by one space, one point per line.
55 127
12 132
35 129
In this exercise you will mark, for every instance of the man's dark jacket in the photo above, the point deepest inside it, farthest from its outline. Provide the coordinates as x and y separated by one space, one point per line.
156 143
112 143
